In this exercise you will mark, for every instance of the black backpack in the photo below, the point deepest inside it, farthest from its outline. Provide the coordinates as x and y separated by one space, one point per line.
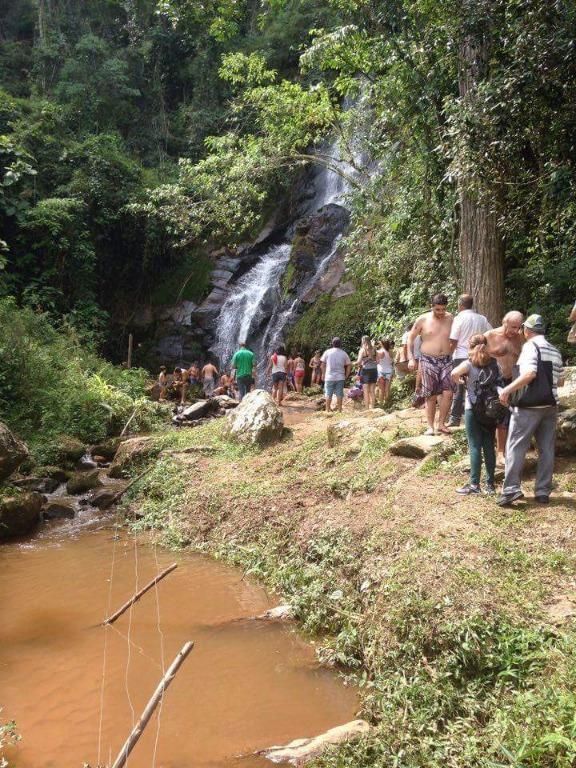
487 408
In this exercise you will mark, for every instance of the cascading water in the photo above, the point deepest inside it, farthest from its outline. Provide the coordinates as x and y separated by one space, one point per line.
244 310
254 312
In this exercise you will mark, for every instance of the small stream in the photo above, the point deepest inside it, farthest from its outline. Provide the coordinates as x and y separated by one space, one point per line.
245 686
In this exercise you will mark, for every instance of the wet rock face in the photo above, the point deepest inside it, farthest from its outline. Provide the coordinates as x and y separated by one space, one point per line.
256 421
132 452
313 239
19 514
12 452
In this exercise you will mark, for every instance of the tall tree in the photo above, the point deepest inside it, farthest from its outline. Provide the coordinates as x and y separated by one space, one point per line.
481 244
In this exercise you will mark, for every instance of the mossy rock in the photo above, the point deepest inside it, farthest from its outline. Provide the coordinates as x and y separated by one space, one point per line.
67 450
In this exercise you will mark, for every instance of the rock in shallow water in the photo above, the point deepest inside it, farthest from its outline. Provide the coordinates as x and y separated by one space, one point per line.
256 421
301 751
59 508
80 482
19 514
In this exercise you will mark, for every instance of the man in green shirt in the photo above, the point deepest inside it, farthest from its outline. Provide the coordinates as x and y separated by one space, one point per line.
245 364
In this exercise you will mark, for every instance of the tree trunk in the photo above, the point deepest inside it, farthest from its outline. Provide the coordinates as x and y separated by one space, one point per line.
480 243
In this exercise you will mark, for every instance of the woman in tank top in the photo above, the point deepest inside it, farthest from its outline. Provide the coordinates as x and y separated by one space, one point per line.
368 371
277 367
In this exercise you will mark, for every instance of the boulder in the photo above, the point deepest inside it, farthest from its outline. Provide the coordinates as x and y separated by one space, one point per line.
301 751
57 473
12 452
38 484
80 482
68 450
256 421
104 497
416 447
225 402
19 514
566 432
107 448
195 411
567 393
59 508
132 452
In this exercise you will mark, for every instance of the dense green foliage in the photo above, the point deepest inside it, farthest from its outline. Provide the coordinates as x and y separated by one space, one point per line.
133 135
52 385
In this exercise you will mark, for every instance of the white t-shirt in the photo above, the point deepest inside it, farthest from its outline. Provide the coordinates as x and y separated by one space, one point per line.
336 361
464 326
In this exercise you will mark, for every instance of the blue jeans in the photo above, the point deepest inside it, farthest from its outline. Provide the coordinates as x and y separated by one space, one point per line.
244 384
334 388
480 441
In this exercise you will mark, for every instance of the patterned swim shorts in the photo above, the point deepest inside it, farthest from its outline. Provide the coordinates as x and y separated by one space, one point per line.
436 375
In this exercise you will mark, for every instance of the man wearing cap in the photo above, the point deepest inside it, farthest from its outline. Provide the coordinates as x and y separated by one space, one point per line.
335 365
534 414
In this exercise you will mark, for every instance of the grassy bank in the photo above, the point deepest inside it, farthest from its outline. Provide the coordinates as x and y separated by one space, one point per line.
451 614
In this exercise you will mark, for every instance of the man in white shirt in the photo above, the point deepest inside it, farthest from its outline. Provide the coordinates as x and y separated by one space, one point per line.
335 365
466 324
535 415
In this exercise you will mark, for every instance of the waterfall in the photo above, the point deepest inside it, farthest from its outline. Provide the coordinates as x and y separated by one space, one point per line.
244 310
255 312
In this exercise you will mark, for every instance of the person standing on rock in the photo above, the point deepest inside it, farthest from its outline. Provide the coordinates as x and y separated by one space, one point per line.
335 366
505 344
244 363
435 361
277 365
534 413
162 383
467 323
209 374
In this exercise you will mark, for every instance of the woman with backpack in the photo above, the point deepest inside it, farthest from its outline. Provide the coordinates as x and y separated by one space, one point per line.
482 413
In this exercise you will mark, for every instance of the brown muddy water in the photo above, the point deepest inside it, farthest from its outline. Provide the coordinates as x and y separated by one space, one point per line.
76 689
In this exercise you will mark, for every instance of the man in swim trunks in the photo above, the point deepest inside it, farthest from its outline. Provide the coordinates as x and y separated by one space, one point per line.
505 344
435 361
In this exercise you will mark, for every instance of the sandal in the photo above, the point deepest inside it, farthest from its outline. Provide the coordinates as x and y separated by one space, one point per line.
444 431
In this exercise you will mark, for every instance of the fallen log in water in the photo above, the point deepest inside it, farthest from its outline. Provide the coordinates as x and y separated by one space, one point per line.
138 729
138 595
301 751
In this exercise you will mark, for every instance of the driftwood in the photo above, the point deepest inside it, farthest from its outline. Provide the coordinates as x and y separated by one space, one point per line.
128 423
138 595
138 729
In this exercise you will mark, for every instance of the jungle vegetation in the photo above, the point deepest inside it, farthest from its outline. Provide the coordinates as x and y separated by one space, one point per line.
135 135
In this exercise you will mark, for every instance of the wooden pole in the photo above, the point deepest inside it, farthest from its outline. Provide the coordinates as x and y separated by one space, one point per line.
130 346
138 595
138 729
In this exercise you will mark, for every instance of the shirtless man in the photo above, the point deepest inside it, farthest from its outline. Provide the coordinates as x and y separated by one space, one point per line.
505 344
435 361
209 373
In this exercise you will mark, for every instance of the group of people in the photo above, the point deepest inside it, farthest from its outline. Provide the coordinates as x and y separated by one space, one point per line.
503 381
